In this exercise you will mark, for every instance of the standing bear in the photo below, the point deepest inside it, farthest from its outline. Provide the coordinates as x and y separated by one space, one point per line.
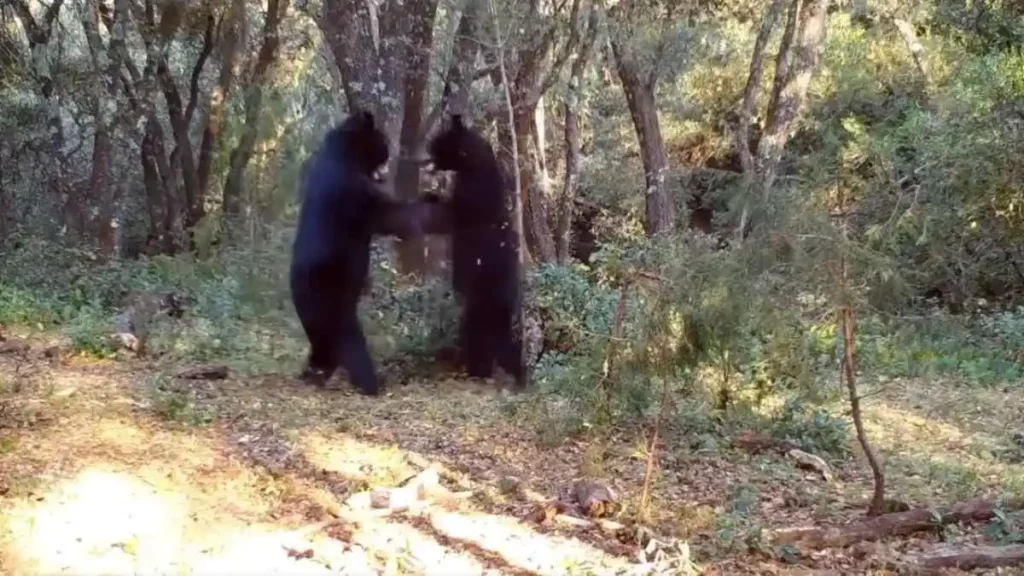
341 212
485 252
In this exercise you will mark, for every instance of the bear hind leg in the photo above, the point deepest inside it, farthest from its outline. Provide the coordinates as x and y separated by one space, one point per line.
477 343
355 357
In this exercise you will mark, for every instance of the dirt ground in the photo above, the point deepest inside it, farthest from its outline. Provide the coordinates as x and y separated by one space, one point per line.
121 468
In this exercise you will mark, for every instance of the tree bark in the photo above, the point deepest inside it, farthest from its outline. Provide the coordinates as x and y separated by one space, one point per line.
240 156
156 36
107 64
158 176
906 30
39 33
797 59
232 34
413 254
660 209
753 88
571 134
791 85
459 80
368 46
528 83
639 87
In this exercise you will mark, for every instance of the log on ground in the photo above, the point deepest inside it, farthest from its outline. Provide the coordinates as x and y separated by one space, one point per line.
970 558
897 524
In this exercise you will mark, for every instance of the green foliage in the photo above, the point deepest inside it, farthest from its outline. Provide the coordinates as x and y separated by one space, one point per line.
982 349
813 428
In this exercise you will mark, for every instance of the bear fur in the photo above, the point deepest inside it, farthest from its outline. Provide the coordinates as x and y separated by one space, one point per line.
342 210
486 273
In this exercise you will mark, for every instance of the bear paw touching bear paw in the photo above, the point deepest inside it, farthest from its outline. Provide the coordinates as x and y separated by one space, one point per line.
484 251
342 210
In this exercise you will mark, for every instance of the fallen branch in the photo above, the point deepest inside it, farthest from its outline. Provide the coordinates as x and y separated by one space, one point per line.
811 462
965 558
898 524
205 372
460 480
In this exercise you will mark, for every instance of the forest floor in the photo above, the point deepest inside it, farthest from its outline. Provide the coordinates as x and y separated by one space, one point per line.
100 474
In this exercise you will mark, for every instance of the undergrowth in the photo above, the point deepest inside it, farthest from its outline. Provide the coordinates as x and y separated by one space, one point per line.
729 366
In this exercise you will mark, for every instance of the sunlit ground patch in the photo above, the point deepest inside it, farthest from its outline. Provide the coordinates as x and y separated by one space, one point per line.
97 522
941 441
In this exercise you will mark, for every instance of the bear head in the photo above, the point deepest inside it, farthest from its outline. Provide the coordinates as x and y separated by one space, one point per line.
363 142
456 147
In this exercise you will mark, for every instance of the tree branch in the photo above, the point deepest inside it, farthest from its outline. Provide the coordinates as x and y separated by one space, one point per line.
197 69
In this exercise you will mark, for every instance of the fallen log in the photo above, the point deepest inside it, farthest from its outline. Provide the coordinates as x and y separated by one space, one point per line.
965 558
897 524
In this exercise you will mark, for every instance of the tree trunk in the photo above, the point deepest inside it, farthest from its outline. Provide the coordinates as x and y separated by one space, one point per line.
5 215
460 77
413 252
156 207
528 84
660 209
790 88
973 557
232 34
571 133
105 107
195 208
368 47
242 153
572 171
753 87
44 57
794 67
535 190
906 30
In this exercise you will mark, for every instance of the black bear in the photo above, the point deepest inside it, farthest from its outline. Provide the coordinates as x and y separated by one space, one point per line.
484 252
341 212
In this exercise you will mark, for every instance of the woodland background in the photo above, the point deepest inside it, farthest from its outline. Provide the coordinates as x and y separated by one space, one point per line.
750 227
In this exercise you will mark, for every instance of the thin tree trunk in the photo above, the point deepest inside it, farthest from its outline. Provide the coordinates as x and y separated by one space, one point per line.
750 95
572 171
791 88
906 30
798 58
517 216
846 321
460 78
242 153
530 82
232 35
571 134
753 87
195 208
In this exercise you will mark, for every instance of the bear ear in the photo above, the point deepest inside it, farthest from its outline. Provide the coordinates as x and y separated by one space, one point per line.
457 122
364 118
